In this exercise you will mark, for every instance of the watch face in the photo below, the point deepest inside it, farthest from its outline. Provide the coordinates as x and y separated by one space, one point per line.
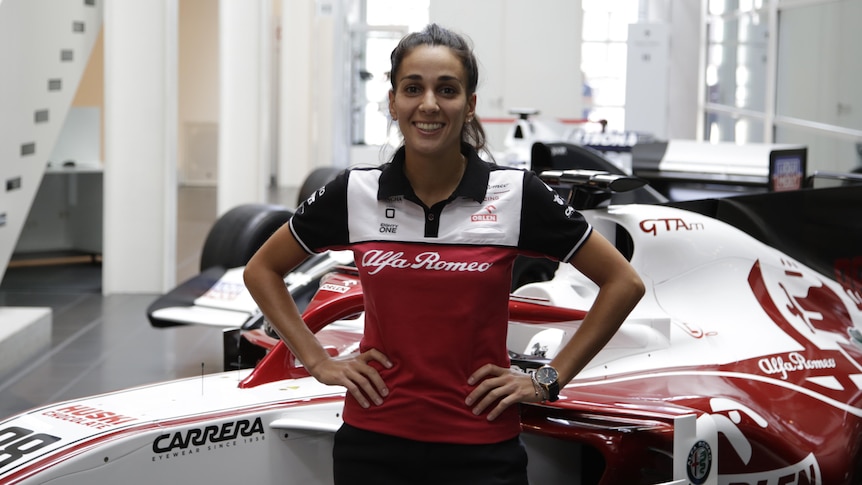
546 375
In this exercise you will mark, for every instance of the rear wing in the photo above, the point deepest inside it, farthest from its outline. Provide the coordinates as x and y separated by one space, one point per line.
688 169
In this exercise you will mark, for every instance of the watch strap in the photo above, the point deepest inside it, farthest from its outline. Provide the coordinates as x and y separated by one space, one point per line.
553 391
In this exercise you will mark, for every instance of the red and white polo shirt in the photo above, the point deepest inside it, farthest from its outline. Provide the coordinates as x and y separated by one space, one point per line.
436 282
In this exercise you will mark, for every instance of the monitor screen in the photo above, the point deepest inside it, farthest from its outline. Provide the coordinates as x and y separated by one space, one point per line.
787 169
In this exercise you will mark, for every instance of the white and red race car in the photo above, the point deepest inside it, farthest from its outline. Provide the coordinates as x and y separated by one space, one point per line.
742 364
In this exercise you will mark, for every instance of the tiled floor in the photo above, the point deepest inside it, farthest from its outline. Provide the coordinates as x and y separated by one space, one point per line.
103 343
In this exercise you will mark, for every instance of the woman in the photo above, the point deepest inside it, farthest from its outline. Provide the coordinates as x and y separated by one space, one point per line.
435 233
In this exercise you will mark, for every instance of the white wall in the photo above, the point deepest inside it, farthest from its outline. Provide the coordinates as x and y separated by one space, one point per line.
529 55
314 98
140 146
198 92
685 29
297 63
245 93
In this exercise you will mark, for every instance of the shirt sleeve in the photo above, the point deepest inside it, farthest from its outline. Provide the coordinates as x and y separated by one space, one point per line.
550 226
320 222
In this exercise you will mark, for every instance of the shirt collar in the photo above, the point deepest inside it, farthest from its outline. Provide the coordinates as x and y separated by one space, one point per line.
473 185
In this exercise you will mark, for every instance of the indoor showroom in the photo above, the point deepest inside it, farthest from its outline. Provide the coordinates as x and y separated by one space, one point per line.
235 233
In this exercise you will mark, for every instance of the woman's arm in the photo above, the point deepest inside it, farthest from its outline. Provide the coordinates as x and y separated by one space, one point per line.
264 278
620 288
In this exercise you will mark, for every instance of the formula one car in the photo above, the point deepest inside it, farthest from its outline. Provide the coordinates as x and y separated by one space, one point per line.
742 364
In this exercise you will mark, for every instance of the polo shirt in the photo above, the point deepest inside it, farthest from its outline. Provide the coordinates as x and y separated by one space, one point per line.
436 283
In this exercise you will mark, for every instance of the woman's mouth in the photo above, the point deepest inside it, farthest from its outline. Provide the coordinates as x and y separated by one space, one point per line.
429 126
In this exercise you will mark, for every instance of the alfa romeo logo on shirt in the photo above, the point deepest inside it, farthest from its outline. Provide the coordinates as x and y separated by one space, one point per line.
699 462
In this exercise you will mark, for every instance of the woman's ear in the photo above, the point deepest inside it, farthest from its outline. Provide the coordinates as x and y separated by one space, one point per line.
392 105
471 106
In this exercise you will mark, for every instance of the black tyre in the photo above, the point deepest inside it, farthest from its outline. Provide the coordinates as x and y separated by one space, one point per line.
315 180
238 234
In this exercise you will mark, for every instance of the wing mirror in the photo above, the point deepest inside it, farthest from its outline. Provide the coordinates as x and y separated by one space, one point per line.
589 189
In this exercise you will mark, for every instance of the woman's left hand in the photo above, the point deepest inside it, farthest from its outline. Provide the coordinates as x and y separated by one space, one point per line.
502 385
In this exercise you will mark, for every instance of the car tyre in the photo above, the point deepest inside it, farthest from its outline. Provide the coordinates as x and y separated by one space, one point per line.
239 233
315 180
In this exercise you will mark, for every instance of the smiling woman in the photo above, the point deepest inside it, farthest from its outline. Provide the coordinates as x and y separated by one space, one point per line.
433 99
434 234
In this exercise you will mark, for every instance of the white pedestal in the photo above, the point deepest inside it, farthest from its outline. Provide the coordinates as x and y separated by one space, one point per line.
24 332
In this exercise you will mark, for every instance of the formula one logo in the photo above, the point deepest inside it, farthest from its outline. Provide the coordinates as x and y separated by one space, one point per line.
699 462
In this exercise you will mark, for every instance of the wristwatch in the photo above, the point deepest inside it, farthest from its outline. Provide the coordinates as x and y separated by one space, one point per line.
547 376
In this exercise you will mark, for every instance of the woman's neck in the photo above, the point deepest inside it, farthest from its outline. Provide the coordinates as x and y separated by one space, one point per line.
434 179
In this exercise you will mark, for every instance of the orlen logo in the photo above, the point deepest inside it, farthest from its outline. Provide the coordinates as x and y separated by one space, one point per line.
483 217
726 417
653 226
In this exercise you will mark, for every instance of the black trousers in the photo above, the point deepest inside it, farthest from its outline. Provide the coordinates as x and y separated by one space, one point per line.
364 457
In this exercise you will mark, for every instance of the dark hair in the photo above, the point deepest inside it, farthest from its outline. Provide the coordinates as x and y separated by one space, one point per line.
434 35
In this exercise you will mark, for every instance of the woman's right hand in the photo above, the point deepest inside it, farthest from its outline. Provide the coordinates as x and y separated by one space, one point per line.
355 373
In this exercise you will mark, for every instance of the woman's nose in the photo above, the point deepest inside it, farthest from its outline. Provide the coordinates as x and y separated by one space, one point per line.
429 103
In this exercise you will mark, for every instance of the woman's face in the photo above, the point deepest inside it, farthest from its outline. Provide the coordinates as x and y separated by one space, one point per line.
430 101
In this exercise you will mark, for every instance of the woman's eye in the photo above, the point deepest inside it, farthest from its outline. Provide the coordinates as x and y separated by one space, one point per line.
411 89
449 91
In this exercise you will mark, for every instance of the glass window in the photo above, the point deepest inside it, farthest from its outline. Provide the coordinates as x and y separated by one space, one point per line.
411 13
596 27
603 59
826 152
819 67
736 71
818 71
386 21
721 127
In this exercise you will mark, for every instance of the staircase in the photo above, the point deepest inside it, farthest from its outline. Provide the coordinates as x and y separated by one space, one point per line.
44 48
